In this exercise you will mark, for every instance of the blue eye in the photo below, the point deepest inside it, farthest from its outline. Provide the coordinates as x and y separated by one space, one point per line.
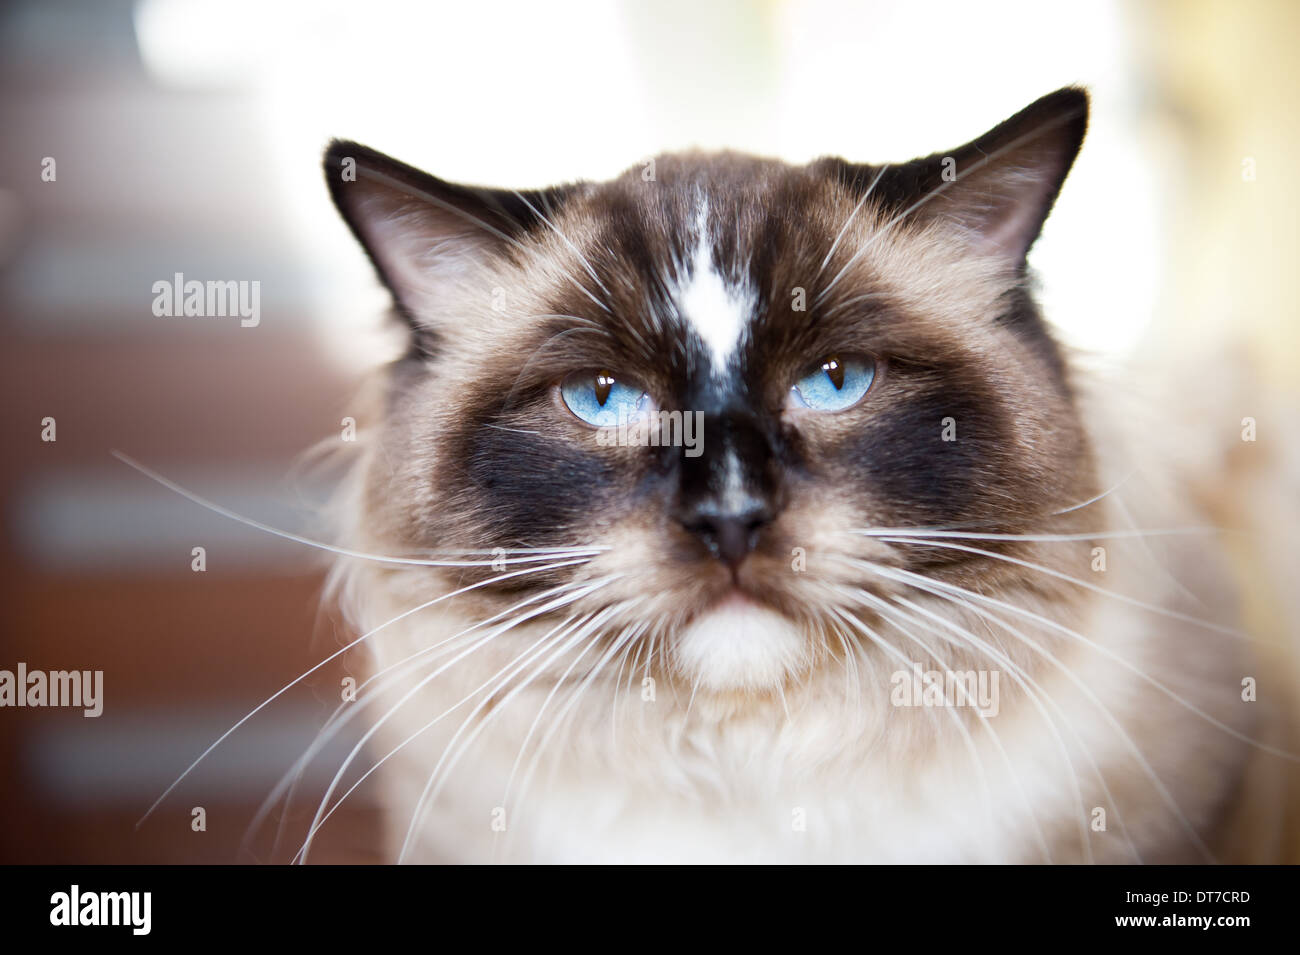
835 384
599 398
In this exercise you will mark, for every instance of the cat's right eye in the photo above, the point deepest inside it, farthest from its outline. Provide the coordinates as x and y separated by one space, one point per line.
604 400
834 383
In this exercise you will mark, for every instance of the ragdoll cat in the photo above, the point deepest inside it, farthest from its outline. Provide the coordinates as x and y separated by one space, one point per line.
744 511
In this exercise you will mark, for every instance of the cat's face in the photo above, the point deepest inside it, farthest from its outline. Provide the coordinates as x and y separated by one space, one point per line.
829 350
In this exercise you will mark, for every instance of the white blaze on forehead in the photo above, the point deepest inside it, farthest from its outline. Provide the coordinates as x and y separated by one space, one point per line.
716 309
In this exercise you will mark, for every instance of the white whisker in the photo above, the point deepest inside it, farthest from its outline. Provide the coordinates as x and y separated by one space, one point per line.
1061 628
938 591
1038 696
576 251
1030 565
500 677
563 600
969 742
847 222
337 653
1041 538
540 553
395 673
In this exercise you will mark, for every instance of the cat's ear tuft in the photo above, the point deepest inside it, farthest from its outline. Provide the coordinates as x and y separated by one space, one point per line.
999 188
419 231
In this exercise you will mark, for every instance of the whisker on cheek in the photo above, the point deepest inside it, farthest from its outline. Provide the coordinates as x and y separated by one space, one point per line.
559 602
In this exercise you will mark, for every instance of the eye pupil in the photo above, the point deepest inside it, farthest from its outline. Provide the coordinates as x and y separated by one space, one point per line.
604 383
834 371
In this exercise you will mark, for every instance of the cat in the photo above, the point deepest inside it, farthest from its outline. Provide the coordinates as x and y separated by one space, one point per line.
924 591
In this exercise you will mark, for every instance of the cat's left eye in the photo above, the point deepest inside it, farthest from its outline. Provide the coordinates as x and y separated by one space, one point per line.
834 383
602 399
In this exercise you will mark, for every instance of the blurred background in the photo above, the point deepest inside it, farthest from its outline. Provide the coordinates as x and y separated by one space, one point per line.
185 136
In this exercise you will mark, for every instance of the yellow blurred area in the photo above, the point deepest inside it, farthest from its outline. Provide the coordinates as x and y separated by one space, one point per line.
1226 80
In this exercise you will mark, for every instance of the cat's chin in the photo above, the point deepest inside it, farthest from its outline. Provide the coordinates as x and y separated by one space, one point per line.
738 644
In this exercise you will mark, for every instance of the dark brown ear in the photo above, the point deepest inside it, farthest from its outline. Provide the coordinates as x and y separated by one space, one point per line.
998 189
419 231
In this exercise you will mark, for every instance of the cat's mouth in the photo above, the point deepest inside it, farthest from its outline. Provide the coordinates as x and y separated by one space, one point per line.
736 598
760 583
738 590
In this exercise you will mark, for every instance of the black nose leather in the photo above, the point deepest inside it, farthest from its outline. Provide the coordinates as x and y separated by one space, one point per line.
730 536
731 492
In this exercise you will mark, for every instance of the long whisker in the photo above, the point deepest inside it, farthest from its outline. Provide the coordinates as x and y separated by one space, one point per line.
1033 692
451 752
433 785
616 646
938 590
997 742
1088 694
514 769
1030 565
618 682
969 741
433 789
333 656
892 614
1098 497
849 221
902 576
402 667
563 600
499 678
662 640
1159 565
1043 538
565 239
1039 696
538 554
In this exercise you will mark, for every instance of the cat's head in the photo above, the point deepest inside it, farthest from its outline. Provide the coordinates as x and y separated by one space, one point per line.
828 350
